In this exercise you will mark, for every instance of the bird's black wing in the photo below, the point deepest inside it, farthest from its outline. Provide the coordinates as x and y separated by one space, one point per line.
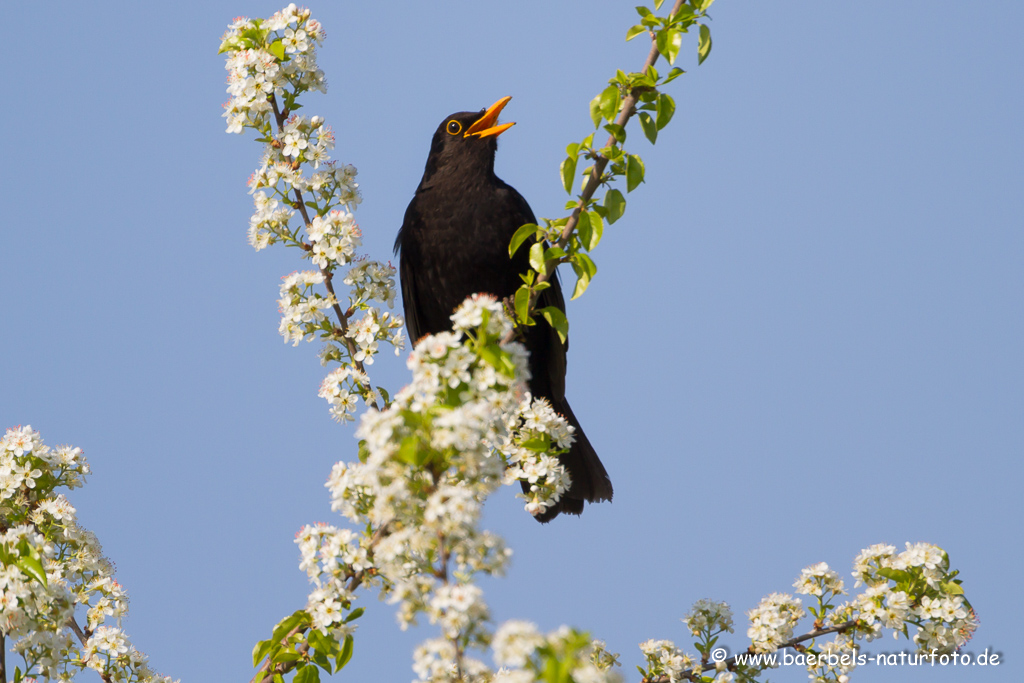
408 257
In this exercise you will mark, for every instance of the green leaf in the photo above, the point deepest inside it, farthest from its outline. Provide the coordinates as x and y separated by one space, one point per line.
523 305
346 653
610 98
320 658
702 5
287 624
537 257
595 111
556 318
540 444
666 110
260 651
307 674
634 31
31 566
522 234
704 46
650 128
597 226
615 204
277 49
643 11
354 614
668 41
657 3
585 269
584 229
952 588
617 131
554 253
634 172
410 452
675 73
568 171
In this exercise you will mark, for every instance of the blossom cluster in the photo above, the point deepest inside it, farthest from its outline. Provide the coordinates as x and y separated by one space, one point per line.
773 620
664 659
268 58
913 587
51 565
709 617
526 656
270 63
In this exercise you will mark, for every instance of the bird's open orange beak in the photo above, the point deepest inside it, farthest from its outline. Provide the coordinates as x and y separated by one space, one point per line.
484 126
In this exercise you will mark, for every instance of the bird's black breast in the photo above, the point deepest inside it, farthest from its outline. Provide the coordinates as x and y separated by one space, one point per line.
454 243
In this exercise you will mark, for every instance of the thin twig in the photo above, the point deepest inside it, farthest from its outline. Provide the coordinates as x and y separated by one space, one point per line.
83 638
343 316
626 112
731 661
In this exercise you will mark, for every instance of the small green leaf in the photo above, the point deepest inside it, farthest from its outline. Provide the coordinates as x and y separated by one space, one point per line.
568 171
952 588
286 625
597 227
702 5
675 73
617 131
643 11
556 318
354 614
31 566
595 111
307 674
634 172
584 229
521 236
277 49
346 653
649 127
668 41
410 452
260 651
704 47
523 305
615 204
657 3
610 98
666 110
537 257
322 660
553 254
585 269
634 31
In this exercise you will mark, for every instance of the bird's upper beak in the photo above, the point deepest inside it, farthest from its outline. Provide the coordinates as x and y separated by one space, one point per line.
484 126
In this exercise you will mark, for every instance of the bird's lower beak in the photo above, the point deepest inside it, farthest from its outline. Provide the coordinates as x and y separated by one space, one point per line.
484 126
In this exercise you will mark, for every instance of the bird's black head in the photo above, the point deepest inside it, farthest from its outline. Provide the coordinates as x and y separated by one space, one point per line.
464 144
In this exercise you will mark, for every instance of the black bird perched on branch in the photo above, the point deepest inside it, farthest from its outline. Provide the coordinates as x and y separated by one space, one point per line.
454 243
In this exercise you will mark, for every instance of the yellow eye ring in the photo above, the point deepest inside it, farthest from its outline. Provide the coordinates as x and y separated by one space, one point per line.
454 127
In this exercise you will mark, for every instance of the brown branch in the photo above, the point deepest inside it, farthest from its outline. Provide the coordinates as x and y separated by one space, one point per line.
83 637
626 112
731 661
343 316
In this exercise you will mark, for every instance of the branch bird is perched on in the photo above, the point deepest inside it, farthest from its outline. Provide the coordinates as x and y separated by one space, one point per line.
454 243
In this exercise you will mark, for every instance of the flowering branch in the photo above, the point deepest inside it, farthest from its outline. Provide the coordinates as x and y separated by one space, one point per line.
464 425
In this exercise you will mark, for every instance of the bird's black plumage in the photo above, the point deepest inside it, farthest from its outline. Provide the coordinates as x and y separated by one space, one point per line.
454 243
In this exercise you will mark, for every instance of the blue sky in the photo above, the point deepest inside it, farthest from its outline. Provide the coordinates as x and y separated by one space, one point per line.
804 338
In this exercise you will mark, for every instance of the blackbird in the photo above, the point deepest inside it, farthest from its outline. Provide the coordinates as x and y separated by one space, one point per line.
454 243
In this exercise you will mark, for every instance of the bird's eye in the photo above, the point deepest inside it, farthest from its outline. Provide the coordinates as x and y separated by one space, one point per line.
454 127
